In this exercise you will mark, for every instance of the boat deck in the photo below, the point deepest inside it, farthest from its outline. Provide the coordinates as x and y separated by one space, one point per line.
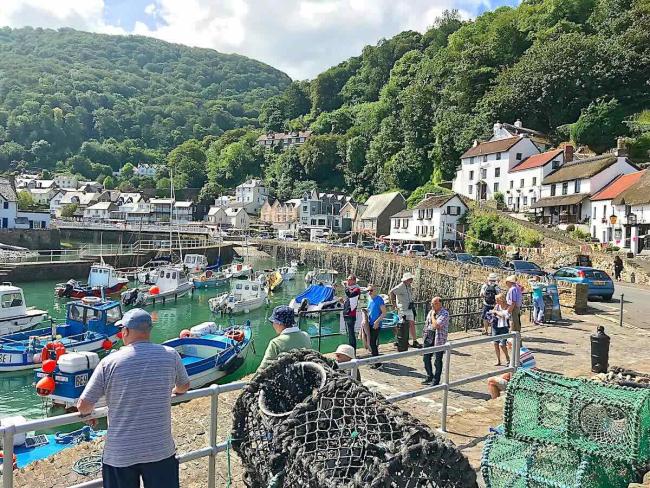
187 360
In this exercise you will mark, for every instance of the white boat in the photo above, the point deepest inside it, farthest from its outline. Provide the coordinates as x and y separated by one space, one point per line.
289 272
171 282
244 296
14 314
321 277
147 275
195 263
315 298
103 280
238 270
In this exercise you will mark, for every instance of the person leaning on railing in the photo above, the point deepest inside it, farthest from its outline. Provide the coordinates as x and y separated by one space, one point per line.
436 329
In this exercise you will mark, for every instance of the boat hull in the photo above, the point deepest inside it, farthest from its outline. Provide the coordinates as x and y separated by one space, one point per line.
328 305
78 292
23 322
210 283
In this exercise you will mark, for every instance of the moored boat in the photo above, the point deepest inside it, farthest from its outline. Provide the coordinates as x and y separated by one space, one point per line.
322 277
238 270
195 263
270 279
315 298
289 272
244 296
210 279
14 314
210 353
103 280
171 283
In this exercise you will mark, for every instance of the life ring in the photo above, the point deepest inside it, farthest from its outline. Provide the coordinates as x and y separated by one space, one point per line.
14 463
208 274
52 347
235 335
202 278
91 300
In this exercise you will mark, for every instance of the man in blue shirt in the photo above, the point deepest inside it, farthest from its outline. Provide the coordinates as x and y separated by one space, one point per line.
376 314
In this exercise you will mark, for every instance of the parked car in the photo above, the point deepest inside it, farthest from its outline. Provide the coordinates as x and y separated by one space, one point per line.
598 281
415 250
487 261
520 266
463 257
350 244
366 245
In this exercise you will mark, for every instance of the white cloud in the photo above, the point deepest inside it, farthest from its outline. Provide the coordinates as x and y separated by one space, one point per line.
301 37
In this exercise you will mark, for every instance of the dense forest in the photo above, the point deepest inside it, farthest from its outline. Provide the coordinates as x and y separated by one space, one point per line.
81 99
397 116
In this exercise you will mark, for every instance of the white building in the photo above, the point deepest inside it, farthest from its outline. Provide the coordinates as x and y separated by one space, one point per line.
55 202
32 219
252 194
67 181
183 211
42 196
134 212
99 211
217 216
8 206
434 221
566 191
238 218
525 179
485 166
148 170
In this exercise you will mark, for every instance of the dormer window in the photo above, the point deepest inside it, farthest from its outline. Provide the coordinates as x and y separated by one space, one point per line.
518 156
485 158
555 164
498 155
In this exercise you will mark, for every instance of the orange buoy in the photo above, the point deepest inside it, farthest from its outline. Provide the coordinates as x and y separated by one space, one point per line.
45 354
49 365
45 386
59 351
107 345
119 334
154 290
184 333
235 335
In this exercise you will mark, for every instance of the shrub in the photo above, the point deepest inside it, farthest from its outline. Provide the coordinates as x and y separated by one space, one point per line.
491 227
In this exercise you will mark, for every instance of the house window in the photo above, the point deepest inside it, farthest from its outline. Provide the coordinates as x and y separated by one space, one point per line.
498 155
512 184
471 175
497 172
518 156
420 214
509 200
483 173
576 188
496 186
5 205
429 213
565 188
555 164
525 200
424 230
604 211
431 230
417 230
533 200
521 183
396 224
485 158
471 160
469 189
405 223
553 190
534 180
304 208
455 210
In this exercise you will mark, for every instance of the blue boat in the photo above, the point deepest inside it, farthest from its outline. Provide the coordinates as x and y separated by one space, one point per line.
210 279
315 298
390 320
89 326
209 354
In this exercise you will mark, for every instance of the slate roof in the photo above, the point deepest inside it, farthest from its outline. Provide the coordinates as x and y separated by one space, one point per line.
561 200
637 194
435 201
7 190
581 168
491 147
403 214
377 204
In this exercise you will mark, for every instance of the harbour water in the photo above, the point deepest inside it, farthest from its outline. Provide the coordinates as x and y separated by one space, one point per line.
17 393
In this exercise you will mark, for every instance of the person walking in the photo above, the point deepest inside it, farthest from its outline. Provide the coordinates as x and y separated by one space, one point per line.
538 299
514 299
401 298
289 336
376 314
489 291
500 317
436 329
618 267
352 294
137 382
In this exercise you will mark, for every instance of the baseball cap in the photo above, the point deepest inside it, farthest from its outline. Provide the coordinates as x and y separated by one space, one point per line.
136 319
346 350
282 315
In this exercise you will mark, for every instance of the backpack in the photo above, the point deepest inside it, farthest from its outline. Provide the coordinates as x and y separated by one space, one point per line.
490 294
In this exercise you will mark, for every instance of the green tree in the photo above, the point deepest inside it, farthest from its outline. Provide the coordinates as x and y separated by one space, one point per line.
69 210
599 124
9 153
109 183
127 171
321 159
163 187
24 200
188 161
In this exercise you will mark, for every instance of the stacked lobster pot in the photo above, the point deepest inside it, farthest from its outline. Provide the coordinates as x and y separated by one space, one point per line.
303 423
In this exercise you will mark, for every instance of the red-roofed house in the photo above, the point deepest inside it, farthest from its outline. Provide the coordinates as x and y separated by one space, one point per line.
606 215
525 179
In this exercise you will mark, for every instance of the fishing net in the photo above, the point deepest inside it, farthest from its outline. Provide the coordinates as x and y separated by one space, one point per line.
302 423
606 420
510 463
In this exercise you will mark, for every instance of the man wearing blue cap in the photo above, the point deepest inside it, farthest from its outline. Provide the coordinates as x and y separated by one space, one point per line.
289 337
137 382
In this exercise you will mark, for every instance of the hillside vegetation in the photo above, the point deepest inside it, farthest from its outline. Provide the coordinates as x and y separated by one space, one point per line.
79 99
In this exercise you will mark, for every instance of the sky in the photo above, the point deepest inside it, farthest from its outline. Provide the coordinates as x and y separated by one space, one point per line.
299 37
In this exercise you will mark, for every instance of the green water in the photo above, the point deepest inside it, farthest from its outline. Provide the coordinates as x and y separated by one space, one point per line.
17 394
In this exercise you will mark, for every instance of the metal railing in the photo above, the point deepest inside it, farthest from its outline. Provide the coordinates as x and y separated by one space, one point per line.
214 447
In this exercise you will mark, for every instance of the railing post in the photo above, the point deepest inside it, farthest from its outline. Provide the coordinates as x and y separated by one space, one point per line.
8 462
212 460
620 320
445 392
355 369
516 350
320 331
466 313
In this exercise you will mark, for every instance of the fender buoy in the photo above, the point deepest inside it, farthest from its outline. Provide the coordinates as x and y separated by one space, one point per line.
154 290
59 350
52 347
49 365
107 345
184 334
208 274
91 300
45 386
235 335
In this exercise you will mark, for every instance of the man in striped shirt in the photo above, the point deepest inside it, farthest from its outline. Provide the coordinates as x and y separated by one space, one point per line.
137 382
435 332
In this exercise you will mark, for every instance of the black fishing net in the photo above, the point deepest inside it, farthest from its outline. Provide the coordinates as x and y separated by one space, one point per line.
303 423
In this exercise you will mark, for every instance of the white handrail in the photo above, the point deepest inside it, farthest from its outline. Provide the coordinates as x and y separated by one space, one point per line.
8 432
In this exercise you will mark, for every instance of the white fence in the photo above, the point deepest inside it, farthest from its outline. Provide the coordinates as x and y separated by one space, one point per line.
213 448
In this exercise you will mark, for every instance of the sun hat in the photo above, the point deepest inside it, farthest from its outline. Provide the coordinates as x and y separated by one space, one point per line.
283 315
493 277
346 350
136 319
511 279
407 276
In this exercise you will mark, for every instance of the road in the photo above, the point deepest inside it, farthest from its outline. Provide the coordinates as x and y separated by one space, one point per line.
636 306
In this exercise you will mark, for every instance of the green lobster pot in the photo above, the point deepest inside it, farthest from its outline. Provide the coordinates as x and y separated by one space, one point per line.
589 417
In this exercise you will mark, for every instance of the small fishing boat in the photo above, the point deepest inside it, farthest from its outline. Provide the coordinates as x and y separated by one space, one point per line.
210 279
14 314
238 270
103 280
147 273
322 277
195 263
244 296
29 448
63 380
270 279
315 298
289 272
89 326
210 353
171 282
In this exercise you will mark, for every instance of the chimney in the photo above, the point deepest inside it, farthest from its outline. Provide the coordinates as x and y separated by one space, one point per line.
568 153
496 128
518 124
475 143
621 147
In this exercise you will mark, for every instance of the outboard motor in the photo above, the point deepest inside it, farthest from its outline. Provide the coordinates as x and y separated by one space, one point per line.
130 297
69 288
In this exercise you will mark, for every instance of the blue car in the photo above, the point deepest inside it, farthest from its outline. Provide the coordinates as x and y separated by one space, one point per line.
599 282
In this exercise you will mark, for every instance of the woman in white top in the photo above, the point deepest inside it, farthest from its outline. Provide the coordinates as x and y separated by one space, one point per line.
499 321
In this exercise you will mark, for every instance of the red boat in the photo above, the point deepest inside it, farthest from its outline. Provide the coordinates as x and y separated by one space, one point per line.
101 279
